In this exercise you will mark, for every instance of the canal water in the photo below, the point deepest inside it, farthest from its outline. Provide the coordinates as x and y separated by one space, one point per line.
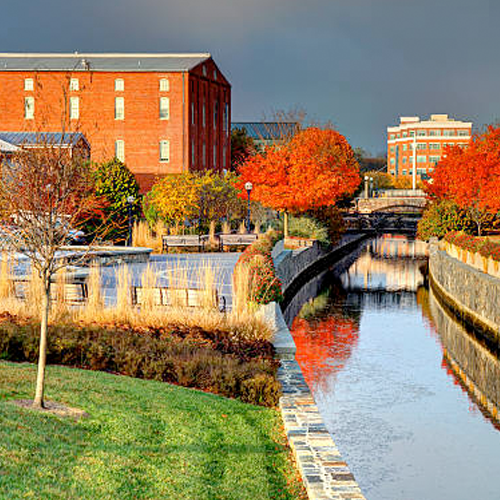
374 346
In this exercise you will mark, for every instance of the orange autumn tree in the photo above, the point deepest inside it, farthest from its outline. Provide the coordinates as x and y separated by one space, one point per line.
470 177
314 169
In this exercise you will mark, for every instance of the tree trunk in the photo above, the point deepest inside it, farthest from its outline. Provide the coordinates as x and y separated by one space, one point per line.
285 224
40 379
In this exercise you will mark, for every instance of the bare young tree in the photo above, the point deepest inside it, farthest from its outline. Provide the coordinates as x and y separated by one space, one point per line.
46 194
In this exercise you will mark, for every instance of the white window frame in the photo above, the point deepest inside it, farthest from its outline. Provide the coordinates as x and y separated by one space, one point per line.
120 150
119 84
164 85
74 108
29 84
74 84
164 151
29 108
119 108
164 108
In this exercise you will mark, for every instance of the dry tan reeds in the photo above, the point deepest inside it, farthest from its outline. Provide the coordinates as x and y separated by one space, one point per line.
6 285
239 322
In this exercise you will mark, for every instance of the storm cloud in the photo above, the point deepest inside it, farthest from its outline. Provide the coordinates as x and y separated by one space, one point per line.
357 63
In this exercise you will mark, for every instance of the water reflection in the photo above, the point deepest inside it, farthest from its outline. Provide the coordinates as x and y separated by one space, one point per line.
377 352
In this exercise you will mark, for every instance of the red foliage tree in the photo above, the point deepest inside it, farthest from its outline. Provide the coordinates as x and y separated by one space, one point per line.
471 177
314 169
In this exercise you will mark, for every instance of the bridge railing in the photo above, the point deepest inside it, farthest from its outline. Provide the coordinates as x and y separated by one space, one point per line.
401 193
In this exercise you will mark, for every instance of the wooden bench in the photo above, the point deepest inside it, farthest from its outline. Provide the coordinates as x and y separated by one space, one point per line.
180 297
236 240
188 240
75 293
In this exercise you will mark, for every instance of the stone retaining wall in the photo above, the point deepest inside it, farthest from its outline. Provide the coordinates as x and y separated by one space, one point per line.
472 294
325 474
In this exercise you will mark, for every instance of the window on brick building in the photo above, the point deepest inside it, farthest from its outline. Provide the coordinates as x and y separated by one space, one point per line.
119 108
29 108
226 117
404 172
74 84
422 145
463 133
28 84
215 156
391 136
164 85
165 151
120 150
224 155
404 160
405 134
412 133
405 147
392 149
119 85
164 108
421 133
74 108
393 161
203 115
434 159
434 133
193 116
448 133
216 114
421 159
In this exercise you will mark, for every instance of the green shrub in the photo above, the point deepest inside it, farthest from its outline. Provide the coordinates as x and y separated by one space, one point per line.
308 227
439 218
206 360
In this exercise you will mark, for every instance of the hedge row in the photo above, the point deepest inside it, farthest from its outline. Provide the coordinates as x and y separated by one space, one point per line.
264 286
191 358
484 246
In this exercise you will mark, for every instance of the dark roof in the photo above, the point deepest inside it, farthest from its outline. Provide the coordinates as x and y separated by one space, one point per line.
267 131
101 62
42 138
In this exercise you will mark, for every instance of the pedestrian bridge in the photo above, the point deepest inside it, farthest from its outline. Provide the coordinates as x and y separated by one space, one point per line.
392 204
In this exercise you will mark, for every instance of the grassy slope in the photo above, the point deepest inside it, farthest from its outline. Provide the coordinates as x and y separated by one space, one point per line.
144 439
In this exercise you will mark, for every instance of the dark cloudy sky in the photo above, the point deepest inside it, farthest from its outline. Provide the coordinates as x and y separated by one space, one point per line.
358 63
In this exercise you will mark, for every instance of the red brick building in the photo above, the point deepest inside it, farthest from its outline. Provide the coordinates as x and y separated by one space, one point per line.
159 113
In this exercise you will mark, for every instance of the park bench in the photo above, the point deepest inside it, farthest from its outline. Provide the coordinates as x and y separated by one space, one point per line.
187 241
180 297
236 240
75 293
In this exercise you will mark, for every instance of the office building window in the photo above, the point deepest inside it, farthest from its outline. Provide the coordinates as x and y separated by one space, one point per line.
216 114
412 133
421 133
193 111
434 133
215 156
29 108
165 151
421 159
119 85
120 150
74 84
404 172
463 133
448 133
404 160
391 136
405 147
164 108
203 114
393 161
74 108
164 85
28 84
434 145
434 159
422 145
392 149
119 108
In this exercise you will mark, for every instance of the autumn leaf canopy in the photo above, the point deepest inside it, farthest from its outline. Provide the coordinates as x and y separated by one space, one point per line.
315 169
470 177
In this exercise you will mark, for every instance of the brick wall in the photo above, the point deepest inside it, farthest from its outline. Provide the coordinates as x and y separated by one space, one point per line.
141 129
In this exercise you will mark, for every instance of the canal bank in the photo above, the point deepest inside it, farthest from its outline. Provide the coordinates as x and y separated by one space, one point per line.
371 353
325 473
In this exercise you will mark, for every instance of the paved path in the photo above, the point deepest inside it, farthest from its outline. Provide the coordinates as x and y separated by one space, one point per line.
222 263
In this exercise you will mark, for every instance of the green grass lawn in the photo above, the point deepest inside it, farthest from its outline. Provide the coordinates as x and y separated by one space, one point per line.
143 440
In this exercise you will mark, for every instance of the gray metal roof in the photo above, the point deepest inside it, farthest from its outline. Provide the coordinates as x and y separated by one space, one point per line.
101 62
267 131
7 147
41 138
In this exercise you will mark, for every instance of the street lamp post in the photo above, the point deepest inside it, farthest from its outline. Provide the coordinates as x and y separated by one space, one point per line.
366 186
371 187
130 201
248 187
